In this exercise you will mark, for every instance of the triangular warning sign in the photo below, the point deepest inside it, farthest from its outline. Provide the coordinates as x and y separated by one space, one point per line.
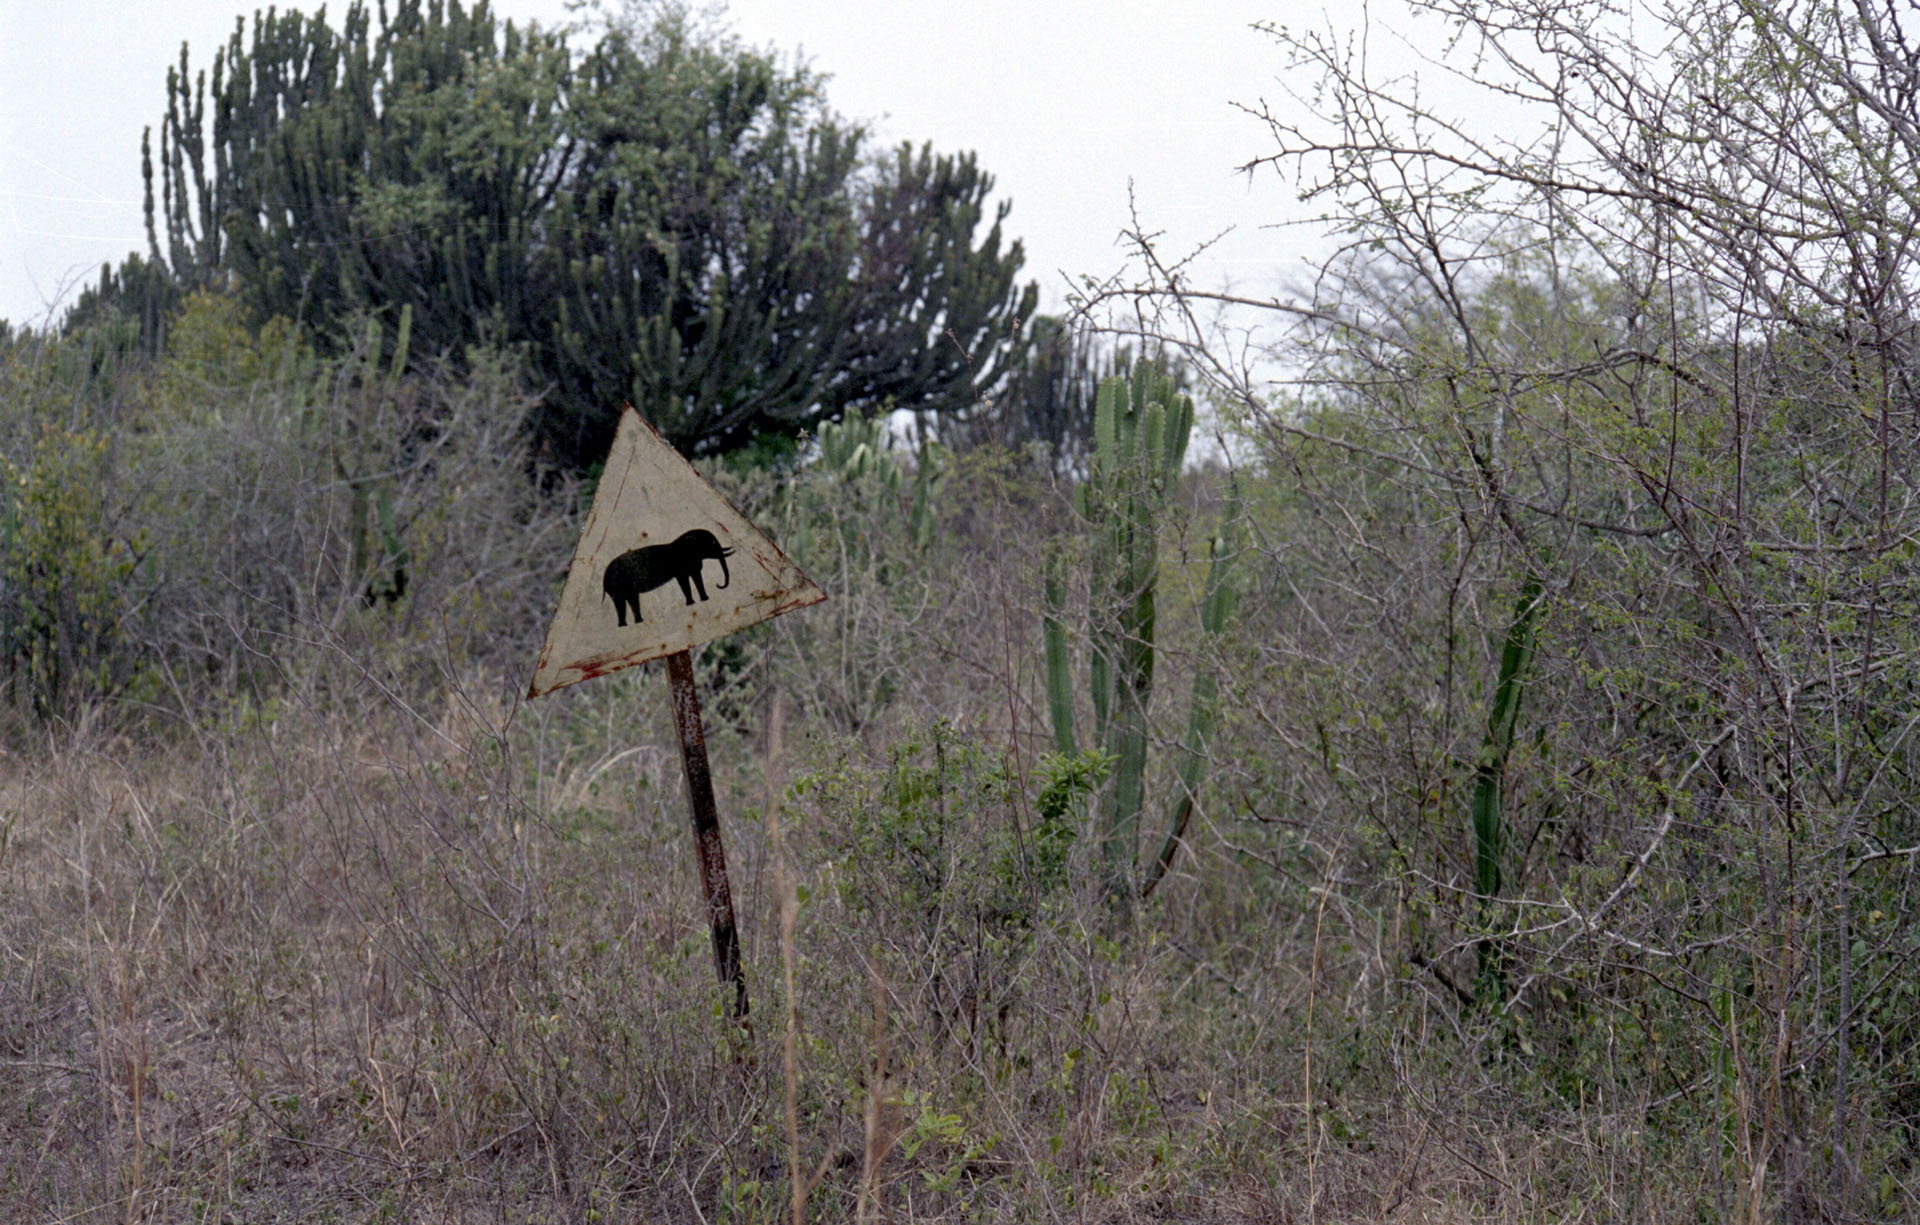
664 564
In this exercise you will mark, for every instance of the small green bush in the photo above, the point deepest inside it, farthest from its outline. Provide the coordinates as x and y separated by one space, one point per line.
64 568
937 850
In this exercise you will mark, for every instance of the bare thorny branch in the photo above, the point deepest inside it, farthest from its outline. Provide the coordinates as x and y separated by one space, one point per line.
1650 334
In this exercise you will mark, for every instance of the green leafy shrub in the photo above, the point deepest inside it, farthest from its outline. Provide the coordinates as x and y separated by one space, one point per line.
239 508
937 851
65 570
293 498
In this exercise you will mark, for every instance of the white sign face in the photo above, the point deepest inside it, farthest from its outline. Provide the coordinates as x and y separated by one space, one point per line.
664 564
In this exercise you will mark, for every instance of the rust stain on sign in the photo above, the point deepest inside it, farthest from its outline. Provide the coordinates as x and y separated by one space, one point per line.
664 564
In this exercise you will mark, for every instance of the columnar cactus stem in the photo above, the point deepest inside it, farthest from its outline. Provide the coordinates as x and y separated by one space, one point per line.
1203 714
1489 834
1141 428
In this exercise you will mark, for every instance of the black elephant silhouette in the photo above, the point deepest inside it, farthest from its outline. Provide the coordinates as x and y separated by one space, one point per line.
652 566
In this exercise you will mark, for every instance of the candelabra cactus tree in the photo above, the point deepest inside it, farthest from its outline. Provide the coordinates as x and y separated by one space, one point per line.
1141 428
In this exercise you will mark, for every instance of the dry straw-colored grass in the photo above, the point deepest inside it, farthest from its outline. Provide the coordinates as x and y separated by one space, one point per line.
393 964
384 943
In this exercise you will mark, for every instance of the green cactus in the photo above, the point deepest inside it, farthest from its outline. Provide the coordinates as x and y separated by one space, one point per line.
855 448
1141 428
1489 836
1059 662
1203 714
929 468
854 462
375 544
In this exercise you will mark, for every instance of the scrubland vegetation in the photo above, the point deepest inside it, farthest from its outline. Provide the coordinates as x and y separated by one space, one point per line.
309 915
1476 785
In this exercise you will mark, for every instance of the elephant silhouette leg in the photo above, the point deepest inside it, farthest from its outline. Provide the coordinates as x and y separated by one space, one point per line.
700 584
686 587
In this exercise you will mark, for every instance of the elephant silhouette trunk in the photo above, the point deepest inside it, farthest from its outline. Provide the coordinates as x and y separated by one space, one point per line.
725 577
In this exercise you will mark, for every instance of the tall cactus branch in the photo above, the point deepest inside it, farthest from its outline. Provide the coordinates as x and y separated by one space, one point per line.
1141 428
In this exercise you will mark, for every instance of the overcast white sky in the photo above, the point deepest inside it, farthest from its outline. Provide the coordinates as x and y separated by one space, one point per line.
1065 101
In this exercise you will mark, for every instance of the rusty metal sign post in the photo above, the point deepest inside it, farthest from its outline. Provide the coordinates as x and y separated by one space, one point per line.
707 847
656 529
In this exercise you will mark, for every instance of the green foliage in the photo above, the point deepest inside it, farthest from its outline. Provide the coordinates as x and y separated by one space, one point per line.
1067 782
931 845
349 169
1618 888
670 219
252 489
934 815
213 357
857 459
1050 399
938 315
64 570
1652 372
1218 602
138 297
1141 427
374 546
1059 660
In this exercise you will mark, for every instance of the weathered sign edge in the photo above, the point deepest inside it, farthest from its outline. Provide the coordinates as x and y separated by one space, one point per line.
805 597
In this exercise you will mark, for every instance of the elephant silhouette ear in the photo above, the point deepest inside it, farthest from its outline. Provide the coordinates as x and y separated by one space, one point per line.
648 496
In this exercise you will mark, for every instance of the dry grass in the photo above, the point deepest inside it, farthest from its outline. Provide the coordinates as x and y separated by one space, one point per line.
383 946
372 962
